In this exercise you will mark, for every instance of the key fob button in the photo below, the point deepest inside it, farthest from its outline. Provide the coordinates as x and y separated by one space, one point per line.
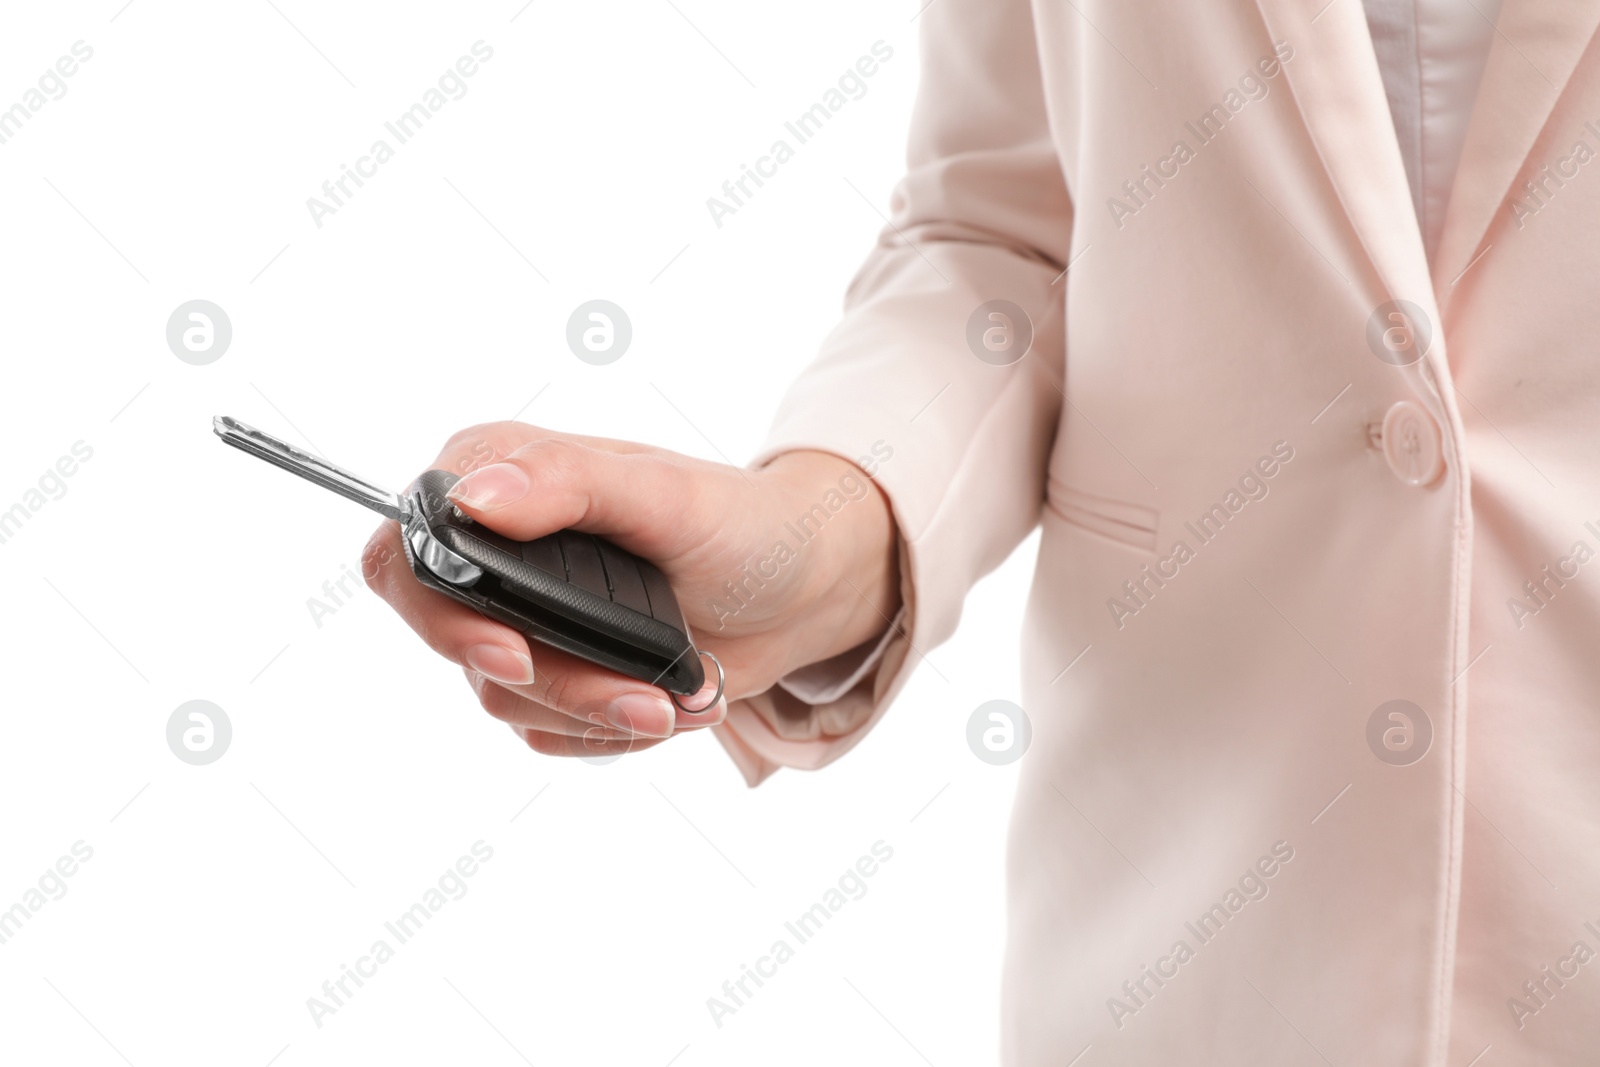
545 554
583 563
622 571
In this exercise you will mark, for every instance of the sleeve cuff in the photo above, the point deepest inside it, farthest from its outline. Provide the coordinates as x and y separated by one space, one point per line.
814 715
831 679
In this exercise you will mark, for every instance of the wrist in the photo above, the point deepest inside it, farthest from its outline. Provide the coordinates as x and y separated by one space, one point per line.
851 586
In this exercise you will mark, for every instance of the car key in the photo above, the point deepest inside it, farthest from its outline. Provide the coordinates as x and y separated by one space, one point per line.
569 590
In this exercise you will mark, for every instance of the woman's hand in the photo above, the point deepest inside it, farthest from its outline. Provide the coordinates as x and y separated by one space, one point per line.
773 569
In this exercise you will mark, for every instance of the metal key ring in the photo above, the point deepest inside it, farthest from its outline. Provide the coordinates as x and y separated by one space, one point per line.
721 678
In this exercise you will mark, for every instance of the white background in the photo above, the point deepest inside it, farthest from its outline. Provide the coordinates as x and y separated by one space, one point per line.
219 898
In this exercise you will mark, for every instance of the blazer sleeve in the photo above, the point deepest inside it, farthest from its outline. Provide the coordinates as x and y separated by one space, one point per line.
982 214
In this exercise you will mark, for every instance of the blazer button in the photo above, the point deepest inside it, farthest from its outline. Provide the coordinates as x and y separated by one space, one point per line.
1411 444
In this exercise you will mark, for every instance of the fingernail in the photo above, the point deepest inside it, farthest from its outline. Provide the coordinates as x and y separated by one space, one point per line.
500 663
491 487
711 716
698 701
641 713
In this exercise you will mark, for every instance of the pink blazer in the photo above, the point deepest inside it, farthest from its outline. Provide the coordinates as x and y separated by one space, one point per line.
1312 662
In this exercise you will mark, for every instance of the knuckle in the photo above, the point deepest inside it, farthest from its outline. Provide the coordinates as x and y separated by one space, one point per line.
557 691
474 447
592 713
467 435
554 461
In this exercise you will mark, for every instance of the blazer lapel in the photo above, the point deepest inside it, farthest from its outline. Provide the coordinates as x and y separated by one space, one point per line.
1338 88
1536 48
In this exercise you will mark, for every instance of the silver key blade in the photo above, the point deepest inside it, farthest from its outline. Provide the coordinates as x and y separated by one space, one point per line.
311 468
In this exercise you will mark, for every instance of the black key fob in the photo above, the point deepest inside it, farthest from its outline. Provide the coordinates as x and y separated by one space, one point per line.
570 590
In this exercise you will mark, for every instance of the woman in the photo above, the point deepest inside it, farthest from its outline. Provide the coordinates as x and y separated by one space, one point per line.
1274 314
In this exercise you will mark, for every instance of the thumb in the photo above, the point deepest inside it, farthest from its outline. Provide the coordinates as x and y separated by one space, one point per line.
643 502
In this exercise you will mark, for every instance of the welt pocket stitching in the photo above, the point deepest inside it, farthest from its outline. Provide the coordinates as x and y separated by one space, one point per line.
1122 521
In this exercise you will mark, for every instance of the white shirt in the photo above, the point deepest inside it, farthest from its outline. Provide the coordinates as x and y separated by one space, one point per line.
1432 54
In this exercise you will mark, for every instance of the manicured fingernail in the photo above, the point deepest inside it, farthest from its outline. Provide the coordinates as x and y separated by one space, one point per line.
711 716
500 663
641 713
700 701
491 487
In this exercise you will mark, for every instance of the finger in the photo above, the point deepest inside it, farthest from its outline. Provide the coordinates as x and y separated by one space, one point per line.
697 720
584 691
478 446
453 630
562 682
562 745
698 709
489 442
648 503
522 713
593 695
